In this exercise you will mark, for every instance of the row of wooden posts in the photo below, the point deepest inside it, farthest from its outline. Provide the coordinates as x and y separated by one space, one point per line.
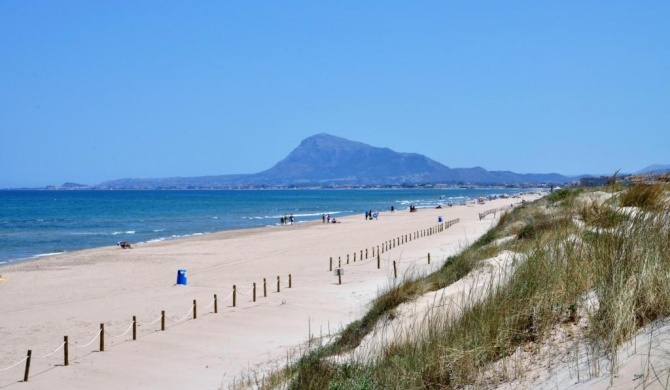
101 333
483 214
390 244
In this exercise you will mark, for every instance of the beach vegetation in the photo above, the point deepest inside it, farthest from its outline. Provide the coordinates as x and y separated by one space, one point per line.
599 269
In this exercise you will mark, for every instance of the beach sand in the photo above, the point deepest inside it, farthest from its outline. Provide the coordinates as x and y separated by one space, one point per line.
72 294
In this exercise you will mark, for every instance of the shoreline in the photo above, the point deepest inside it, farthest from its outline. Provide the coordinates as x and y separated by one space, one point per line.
43 224
43 257
71 294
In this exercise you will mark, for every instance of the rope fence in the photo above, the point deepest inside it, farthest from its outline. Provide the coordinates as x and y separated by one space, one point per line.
15 364
133 326
387 246
150 323
90 342
56 350
209 305
483 214
122 334
182 318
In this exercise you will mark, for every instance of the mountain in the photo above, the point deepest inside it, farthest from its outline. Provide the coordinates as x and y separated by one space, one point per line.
327 160
656 168
324 158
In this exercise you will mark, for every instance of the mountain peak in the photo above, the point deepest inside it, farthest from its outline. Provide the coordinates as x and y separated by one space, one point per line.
325 159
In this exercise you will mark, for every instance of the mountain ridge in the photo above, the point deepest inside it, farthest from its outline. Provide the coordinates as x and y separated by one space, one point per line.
328 160
325 160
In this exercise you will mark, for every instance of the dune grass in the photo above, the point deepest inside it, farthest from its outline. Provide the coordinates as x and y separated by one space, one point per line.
621 255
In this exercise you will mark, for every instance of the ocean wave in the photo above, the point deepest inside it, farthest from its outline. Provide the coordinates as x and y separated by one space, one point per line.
299 215
126 232
175 237
48 254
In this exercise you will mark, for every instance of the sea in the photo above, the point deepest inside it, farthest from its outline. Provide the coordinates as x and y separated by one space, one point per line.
42 223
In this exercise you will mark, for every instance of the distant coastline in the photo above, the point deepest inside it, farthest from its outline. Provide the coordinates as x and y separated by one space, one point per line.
430 186
40 222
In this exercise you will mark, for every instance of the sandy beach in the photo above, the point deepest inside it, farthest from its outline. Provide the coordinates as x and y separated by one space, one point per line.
73 294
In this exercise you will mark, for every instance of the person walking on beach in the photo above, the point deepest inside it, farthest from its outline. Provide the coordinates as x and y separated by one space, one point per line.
323 218
291 219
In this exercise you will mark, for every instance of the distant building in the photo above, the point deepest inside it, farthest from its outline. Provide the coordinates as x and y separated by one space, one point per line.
593 181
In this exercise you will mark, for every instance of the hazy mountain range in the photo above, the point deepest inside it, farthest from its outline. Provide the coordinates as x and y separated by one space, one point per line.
327 160
324 160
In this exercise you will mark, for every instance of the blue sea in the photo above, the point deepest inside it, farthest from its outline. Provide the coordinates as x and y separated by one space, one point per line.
36 224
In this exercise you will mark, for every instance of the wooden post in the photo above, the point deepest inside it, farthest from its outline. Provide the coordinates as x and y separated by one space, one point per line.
377 260
331 264
163 320
102 337
265 289
195 310
66 352
347 258
395 270
361 254
234 295
25 375
339 276
354 257
134 328
216 304
254 292
289 280
366 253
278 284
428 258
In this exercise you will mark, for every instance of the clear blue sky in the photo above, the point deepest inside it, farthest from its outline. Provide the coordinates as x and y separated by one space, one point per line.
99 90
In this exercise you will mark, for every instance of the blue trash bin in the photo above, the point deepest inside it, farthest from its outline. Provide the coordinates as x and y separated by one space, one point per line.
439 219
181 277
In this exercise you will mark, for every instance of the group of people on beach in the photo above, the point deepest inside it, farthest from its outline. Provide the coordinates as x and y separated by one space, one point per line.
286 220
369 215
124 244
327 219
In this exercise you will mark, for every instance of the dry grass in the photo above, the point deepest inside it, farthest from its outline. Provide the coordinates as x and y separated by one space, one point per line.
623 258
